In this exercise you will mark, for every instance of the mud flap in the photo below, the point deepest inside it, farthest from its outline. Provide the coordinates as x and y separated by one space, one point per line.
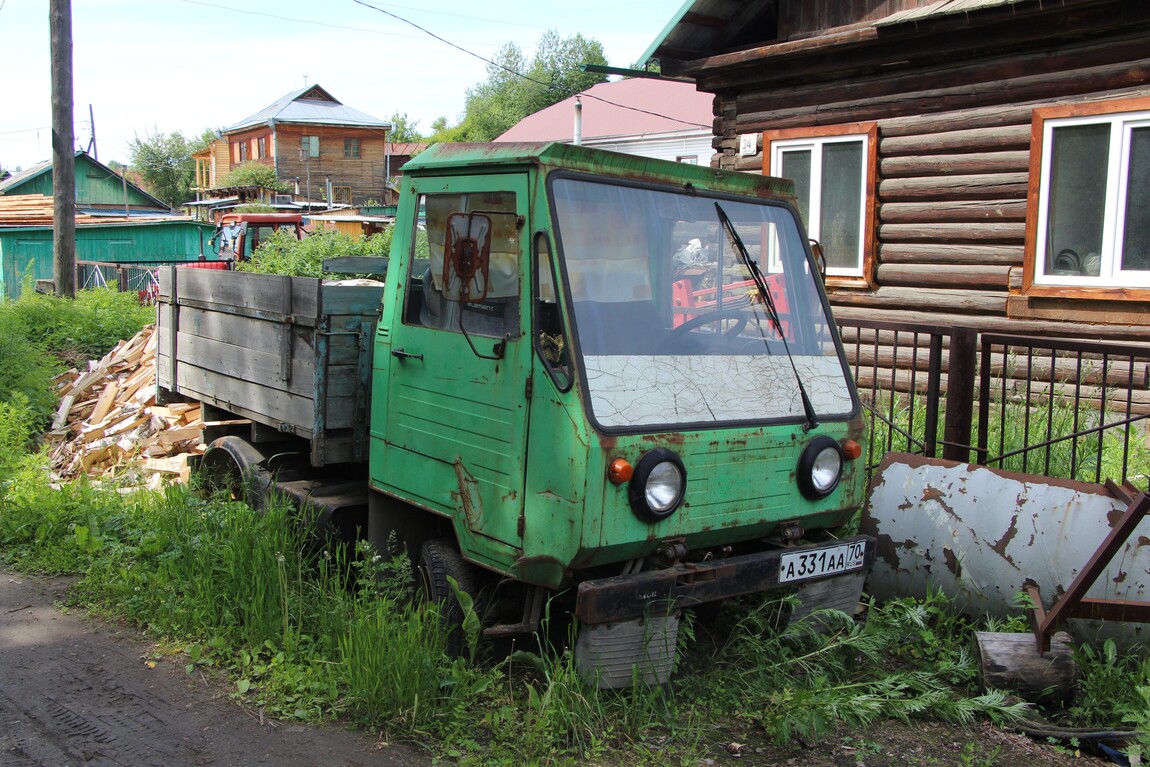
611 656
840 593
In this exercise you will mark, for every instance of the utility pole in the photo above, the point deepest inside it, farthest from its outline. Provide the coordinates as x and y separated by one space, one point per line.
63 151
92 148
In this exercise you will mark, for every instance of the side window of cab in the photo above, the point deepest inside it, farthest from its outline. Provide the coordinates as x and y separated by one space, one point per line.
464 274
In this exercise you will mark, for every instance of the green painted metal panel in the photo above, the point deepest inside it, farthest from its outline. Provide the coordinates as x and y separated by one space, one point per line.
467 414
22 248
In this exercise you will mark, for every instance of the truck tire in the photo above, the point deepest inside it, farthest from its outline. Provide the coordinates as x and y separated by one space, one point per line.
231 466
439 559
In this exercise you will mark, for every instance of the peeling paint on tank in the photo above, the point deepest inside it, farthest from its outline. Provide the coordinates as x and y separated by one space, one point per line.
978 534
951 561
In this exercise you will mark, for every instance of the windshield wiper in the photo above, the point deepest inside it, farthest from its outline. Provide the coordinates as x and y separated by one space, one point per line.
772 310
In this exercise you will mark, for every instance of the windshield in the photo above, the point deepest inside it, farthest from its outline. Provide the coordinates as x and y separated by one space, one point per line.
669 325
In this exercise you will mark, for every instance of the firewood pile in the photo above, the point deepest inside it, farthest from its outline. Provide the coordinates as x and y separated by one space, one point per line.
109 426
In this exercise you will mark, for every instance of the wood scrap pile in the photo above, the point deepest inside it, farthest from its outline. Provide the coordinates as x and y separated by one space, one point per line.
108 424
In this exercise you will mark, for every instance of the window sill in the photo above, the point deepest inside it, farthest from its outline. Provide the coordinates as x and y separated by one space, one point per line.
1130 310
847 283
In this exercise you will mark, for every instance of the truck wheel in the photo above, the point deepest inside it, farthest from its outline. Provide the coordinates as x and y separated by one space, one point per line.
230 466
438 560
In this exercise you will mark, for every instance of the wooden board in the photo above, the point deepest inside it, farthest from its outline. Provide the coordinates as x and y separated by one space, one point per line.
287 352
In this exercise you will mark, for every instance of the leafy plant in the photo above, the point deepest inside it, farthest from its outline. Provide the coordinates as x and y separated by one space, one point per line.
254 173
282 253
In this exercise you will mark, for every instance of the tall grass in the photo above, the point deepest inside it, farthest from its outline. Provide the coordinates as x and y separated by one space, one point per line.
1016 433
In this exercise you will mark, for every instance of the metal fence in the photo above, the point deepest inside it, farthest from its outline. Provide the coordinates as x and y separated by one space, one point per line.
1055 407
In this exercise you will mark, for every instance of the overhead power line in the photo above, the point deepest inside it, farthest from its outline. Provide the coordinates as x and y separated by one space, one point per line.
497 65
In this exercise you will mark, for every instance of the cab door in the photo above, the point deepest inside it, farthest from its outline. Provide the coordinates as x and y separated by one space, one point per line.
460 362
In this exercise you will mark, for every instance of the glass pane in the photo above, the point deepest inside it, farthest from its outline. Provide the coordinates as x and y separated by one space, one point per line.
669 326
840 230
1136 238
1077 206
796 165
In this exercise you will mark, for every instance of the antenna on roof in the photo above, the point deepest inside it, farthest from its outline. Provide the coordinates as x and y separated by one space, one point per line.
305 81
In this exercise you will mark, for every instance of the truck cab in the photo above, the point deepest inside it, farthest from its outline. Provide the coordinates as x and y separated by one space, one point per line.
239 234
613 378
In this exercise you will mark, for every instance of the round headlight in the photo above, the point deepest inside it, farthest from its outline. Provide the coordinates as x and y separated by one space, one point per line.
658 485
820 467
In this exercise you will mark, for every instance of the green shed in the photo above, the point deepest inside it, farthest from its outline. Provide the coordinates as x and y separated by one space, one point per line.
27 250
98 187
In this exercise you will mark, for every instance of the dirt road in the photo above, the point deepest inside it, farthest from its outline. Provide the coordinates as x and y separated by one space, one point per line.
75 691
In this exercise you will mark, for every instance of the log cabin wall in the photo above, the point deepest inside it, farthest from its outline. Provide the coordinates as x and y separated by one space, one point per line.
802 17
954 137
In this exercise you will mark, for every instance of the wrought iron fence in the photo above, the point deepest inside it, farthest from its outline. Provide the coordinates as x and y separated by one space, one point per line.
1067 408
1056 407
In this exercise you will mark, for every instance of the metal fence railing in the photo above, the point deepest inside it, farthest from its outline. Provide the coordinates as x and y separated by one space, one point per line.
1056 407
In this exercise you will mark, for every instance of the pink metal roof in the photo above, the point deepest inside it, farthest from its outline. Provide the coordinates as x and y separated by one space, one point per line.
623 108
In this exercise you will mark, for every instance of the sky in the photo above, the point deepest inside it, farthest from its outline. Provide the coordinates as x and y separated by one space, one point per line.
157 66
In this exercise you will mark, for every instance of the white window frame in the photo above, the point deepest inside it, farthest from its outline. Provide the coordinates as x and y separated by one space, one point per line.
815 144
1111 275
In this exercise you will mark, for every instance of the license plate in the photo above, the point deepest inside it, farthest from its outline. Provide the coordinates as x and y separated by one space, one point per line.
815 563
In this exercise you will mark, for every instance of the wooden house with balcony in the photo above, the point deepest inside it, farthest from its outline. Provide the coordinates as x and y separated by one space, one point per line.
979 163
321 147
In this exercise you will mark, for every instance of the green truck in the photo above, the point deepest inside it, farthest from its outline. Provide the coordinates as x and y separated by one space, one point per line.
598 379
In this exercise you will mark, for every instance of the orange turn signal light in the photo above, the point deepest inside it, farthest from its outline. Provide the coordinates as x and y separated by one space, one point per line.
851 449
619 471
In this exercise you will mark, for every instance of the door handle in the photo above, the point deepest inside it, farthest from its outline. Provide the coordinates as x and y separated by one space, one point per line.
406 355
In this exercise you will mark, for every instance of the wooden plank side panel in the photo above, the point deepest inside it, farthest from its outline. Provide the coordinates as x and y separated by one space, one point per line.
266 404
275 407
252 292
358 300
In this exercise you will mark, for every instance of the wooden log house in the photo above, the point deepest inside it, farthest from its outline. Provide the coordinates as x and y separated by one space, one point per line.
979 163
315 143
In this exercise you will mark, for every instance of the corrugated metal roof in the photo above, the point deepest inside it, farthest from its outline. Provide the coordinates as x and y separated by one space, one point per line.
16 179
637 106
941 8
311 105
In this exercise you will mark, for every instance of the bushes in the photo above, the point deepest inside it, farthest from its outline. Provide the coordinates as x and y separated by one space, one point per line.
282 253
42 335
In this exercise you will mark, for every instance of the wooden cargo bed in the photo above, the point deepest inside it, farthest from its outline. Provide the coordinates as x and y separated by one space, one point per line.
290 353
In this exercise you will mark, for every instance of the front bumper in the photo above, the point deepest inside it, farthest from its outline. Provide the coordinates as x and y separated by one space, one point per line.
662 592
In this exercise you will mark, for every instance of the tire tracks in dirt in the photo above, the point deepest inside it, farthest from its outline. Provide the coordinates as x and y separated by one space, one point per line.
77 693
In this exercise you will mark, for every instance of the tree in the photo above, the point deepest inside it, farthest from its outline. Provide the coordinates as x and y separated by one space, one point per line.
403 130
165 165
254 174
515 88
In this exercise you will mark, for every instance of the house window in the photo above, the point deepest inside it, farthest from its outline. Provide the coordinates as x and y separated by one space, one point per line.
1092 223
309 146
833 171
341 195
351 148
688 159
243 151
262 147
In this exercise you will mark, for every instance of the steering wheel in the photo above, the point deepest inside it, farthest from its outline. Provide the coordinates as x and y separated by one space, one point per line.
730 334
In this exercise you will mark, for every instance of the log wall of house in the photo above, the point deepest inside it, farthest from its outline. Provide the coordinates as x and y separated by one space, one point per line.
797 17
365 175
952 176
